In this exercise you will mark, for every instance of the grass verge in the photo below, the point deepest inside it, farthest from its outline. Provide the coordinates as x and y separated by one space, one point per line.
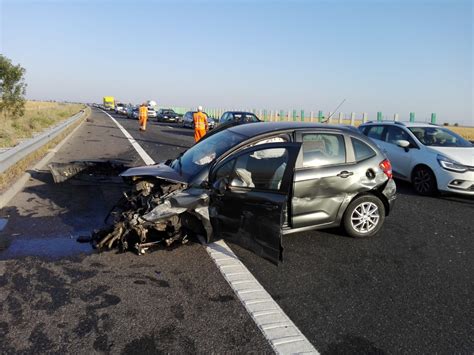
38 117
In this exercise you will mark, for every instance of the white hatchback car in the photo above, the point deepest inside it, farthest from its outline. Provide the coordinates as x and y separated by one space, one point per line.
431 157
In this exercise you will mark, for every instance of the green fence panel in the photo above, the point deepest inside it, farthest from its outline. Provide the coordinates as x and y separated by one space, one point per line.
282 113
302 115
379 116
412 116
433 118
320 116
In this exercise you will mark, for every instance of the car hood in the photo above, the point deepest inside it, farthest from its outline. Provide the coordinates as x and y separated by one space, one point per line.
463 155
160 171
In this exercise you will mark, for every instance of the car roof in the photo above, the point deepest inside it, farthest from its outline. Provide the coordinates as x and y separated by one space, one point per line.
400 123
258 128
241 112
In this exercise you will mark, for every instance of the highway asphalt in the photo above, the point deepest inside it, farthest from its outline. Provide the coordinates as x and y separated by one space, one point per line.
409 290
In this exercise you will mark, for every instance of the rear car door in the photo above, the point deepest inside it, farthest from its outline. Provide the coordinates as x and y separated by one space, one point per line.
249 197
322 178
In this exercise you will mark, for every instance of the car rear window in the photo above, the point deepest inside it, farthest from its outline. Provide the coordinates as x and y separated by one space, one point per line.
323 149
362 150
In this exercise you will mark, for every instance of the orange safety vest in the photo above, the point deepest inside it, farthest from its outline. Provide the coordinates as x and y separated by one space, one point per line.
200 121
142 113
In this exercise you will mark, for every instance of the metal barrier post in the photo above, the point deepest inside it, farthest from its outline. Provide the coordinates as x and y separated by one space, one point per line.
379 116
341 117
412 116
433 118
353 116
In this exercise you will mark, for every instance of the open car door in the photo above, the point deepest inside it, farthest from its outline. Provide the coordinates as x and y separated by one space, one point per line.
249 197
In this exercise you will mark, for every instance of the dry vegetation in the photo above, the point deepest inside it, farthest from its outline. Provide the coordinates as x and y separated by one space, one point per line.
38 116
466 132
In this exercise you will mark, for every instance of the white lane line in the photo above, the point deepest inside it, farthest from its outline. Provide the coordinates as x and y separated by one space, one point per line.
141 152
280 332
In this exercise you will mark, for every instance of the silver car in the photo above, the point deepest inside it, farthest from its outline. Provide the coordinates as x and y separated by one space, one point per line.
254 183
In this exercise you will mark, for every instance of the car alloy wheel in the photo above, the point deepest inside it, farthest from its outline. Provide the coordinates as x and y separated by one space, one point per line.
365 217
424 181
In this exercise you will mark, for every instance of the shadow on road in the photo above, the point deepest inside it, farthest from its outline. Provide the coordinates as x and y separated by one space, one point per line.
47 217
405 188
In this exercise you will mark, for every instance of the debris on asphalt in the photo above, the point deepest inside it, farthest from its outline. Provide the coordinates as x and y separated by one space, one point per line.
153 213
88 171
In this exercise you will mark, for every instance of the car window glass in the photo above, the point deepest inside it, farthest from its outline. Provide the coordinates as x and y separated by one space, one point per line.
225 170
375 132
362 150
395 134
260 169
224 117
439 137
250 118
323 149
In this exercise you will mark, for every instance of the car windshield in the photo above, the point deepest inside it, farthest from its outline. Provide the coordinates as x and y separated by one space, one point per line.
203 153
168 112
439 137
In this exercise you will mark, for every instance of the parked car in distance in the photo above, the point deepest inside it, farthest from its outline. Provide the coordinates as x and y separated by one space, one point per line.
237 117
132 112
188 121
431 157
167 115
260 181
120 108
151 112
233 118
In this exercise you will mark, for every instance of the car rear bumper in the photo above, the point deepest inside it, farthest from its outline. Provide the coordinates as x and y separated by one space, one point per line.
390 193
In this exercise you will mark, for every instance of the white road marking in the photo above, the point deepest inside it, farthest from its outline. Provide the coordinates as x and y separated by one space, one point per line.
141 152
276 326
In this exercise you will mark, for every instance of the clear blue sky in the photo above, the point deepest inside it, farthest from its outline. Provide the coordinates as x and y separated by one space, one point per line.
381 55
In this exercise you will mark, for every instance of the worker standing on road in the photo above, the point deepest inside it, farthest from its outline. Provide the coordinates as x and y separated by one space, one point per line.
200 124
143 116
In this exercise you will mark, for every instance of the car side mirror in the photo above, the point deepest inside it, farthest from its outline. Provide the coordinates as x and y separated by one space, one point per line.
220 186
402 143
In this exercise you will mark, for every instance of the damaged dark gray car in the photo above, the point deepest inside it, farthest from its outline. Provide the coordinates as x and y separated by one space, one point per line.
251 184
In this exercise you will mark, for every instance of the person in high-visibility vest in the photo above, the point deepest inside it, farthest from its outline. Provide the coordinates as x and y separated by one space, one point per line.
142 116
200 124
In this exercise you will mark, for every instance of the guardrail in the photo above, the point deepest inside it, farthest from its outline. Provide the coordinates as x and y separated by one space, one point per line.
13 155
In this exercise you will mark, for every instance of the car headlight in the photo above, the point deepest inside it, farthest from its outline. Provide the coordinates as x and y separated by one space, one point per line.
451 165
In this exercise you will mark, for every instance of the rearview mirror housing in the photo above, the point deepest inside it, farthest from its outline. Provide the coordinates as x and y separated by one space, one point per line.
403 143
221 185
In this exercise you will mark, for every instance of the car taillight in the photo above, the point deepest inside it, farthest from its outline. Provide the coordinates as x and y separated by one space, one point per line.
386 167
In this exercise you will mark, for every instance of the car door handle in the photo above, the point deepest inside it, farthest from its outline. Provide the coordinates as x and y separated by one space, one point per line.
270 206
345 174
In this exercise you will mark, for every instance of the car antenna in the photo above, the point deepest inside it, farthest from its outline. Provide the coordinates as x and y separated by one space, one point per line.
335 110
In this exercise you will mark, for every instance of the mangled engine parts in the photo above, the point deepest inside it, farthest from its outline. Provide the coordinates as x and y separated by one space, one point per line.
154 212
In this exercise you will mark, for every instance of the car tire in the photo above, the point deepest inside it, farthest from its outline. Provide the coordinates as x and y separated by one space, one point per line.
424 181
364 216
